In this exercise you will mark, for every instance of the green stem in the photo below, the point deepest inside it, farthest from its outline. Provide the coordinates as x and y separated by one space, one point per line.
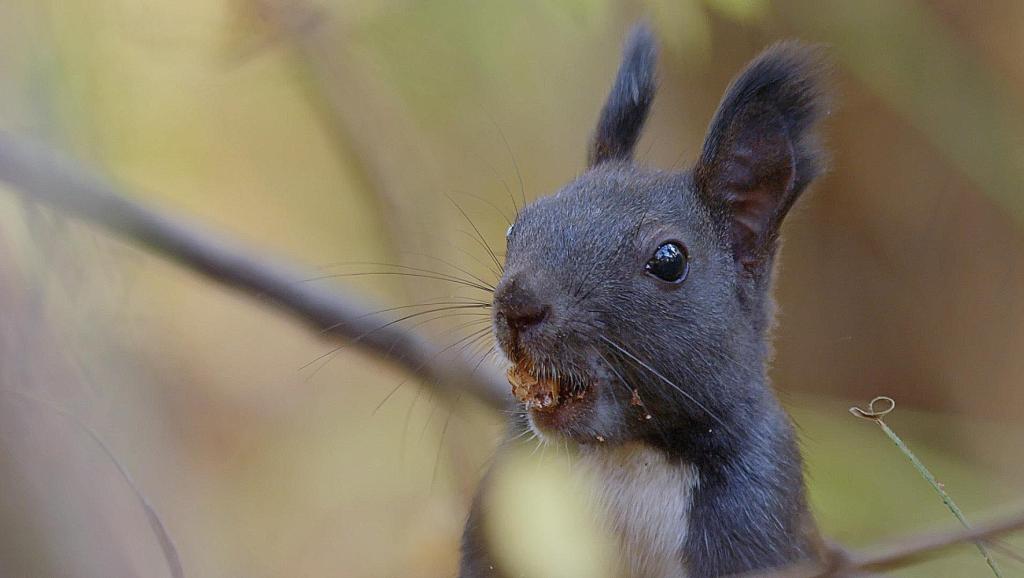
876 416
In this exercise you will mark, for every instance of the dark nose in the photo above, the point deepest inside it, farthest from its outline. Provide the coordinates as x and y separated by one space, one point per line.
520 305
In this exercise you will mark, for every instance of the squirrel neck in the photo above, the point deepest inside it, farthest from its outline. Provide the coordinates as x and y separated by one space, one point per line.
748 507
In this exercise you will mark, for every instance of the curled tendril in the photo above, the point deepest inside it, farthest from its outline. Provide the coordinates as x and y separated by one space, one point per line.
877 408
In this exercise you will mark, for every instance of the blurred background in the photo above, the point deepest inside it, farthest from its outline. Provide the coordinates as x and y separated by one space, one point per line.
330 133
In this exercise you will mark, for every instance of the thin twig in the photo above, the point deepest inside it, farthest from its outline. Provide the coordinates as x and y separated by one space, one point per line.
912 548
47 177
900 552
170 551
875 414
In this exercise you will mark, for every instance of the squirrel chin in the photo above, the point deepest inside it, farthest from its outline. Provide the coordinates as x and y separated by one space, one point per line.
569 419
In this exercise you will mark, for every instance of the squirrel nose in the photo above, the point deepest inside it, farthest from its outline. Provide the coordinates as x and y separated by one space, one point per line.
525 316
519 305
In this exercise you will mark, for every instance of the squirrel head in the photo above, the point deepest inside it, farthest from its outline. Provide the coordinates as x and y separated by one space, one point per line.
635 302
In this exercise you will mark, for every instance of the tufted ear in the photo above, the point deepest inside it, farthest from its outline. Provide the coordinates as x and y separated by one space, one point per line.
629 101
761 149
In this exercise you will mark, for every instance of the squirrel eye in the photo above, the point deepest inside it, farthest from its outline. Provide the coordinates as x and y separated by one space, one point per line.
669 263
508 232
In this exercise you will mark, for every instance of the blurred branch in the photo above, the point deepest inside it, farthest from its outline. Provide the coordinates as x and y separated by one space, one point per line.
902 551
44 176
911 549
364 120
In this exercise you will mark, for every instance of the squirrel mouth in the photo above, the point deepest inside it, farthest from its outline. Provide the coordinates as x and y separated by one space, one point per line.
541 392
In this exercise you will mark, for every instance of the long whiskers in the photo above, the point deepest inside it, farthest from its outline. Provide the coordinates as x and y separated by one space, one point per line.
453 266
465 302
454 305
448 242
468 277
631 389
515 163
489 203
365 334
433 276
481 239
669 382
475 334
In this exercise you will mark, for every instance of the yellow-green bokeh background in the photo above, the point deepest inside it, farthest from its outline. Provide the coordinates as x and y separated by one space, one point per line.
338 139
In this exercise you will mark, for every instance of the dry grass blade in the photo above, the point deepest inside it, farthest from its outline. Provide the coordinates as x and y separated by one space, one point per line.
875 414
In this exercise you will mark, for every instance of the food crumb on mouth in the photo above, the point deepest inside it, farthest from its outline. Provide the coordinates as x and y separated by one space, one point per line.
540 394
600 439
635 400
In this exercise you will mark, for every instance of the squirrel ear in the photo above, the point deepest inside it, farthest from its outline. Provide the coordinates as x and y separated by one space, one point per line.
627 105
761 150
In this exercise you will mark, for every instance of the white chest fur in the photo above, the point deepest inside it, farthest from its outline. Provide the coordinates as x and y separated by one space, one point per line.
647 501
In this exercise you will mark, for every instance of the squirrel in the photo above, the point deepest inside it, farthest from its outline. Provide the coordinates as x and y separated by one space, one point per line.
633 284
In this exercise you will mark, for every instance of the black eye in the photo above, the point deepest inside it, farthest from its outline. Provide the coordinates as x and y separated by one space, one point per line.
668 263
